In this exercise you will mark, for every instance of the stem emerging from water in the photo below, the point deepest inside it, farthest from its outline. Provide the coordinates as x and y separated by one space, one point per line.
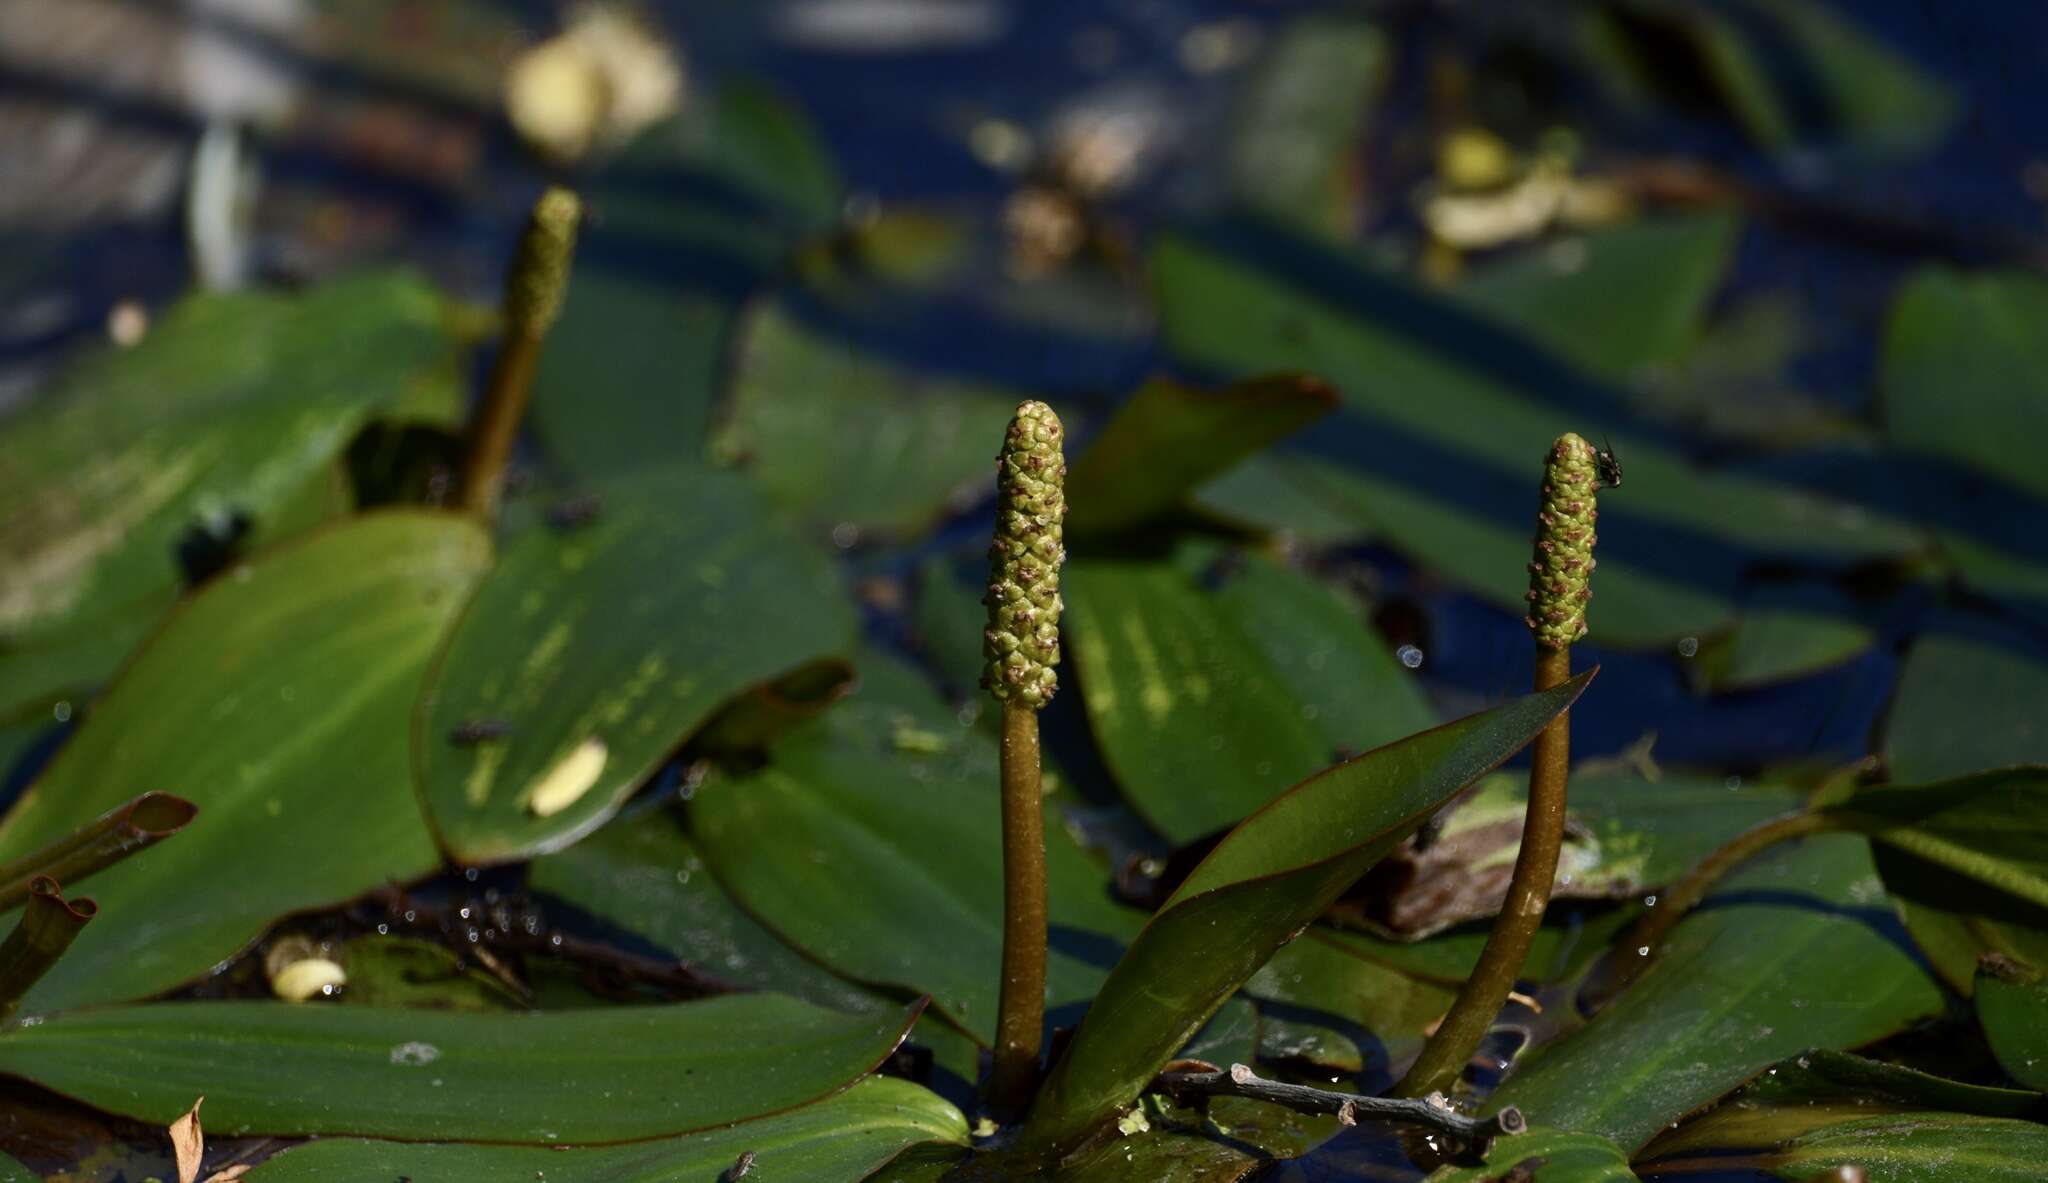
1560 583
533 298
1021 646
1020 1013
48 926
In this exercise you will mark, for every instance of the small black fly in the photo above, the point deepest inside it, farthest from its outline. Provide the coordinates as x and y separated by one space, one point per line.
478 731
1607 465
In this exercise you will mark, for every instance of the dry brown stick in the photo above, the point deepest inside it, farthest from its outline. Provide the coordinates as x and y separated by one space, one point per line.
1431 1112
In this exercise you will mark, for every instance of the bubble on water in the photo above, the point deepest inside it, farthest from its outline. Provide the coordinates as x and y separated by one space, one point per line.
415 1053
1642 950
61 712
1689 647
1409 656
1649 901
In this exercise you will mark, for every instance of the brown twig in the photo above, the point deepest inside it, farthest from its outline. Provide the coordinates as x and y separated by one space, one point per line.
1431 1112
106 840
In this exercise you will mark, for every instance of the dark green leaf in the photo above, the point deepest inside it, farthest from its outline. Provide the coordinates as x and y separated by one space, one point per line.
1780 643
1790 952
279 701
605 1075
2012 1003
1965 376
1168 440
399 971
1446 418
841 1139
886 808
1322 1005
1920 1147
1255 892
1963 705
1301 120
1955 921
1546 1156
1208 701
627 634
646 876
1617 300
230 406
837 434
13 1172
1990 826
1564 945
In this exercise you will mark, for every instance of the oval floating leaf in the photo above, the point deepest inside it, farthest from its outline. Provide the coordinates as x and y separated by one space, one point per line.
841 1139
1255 892
1963 705
1546 1156
226 409
1209 701
646 876
885 808
630 631
278 701
1167 440
1788 953
2012 1004
606 1075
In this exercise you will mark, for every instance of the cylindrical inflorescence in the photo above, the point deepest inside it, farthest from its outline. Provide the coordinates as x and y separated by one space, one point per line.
1560 578
540 271
1022 642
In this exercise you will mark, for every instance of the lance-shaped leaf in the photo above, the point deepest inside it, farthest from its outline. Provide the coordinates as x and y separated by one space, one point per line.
1823 1110
608 1075
1791 952
841 1139
2012 1004
1255 892
278 702
598 649
1965 704
1168 440
1989 826
223 413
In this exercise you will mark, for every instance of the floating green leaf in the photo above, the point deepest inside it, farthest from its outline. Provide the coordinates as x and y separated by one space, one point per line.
837 434
1963 705
392 971
1207 702
1965 376
1546 1156
885 808
1955 921
1300 121
1990 826
1322 1005
1783 956
13 1172
607 1075
1255 892
2012 1004
646 876
612 643
278 701
229 407
841 1139
1168 440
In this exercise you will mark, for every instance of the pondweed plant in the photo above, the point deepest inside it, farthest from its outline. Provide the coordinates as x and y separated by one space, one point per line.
752 940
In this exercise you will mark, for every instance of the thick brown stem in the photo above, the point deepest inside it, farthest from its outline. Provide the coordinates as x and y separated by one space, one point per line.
106 840
1020 1012
1646 939
496 424
48 926
1443 1060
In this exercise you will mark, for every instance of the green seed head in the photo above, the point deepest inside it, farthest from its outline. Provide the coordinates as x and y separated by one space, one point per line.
540 271
1560 580
1022 642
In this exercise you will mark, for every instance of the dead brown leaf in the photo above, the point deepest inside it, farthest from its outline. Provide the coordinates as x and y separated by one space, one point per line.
188 1143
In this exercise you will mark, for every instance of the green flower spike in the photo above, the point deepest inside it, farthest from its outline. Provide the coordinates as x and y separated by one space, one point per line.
1022 642
540 271
1561 578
